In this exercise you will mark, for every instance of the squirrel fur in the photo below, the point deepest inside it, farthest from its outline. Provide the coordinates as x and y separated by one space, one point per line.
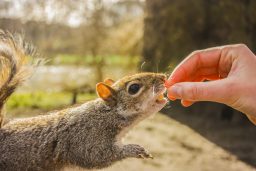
88 136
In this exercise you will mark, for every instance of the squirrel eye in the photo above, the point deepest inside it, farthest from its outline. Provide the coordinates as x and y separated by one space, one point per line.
133 89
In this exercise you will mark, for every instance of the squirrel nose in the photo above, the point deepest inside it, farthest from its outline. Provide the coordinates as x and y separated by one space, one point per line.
160 78
163 77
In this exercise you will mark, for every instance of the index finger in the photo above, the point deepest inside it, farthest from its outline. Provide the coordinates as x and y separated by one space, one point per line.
191 65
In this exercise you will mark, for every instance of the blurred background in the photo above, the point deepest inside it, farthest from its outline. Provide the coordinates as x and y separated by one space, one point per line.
86 41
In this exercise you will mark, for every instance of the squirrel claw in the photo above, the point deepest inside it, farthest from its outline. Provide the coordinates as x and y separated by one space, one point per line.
133 150
150 156
145 155
141 156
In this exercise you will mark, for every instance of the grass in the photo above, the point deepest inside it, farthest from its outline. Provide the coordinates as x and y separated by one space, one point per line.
44 100
89 60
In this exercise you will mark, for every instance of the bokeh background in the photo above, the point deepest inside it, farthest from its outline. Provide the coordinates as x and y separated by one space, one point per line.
85 41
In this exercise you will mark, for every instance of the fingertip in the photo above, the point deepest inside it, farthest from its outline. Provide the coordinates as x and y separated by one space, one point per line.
171 98
174 92
169 82
166 84
186 103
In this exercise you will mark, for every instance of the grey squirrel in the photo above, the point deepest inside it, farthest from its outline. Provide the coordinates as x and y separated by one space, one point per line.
87 136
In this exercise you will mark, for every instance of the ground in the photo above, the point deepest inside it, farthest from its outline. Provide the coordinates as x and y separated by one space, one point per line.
176 147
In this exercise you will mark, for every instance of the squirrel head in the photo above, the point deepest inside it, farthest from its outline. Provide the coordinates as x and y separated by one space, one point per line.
136 94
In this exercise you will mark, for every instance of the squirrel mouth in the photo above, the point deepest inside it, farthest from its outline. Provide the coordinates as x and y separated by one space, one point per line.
160 97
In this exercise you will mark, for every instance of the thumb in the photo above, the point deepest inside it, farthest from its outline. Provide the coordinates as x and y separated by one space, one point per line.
217 91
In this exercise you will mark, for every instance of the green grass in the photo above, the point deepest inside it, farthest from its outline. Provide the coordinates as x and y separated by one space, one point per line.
89 60
44 100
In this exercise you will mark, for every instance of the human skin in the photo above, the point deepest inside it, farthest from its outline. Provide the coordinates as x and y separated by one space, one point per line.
230 72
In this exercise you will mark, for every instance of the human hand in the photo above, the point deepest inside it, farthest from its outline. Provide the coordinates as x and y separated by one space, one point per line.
231 70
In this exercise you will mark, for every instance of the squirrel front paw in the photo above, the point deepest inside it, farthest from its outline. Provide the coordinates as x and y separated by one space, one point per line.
134 150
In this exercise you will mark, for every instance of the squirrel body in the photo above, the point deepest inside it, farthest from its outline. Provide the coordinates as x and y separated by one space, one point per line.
89 135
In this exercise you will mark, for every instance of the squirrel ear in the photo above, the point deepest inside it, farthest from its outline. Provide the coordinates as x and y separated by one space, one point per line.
104 91
109 81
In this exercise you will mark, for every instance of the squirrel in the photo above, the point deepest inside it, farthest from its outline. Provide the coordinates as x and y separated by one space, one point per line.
87 136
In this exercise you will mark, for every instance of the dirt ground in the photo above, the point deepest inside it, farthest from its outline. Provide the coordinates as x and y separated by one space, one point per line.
176 147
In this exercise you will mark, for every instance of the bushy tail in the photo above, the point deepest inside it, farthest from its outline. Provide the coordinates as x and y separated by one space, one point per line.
14 65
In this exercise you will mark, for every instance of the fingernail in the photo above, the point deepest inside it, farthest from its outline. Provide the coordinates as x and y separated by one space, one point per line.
171 97
176 91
